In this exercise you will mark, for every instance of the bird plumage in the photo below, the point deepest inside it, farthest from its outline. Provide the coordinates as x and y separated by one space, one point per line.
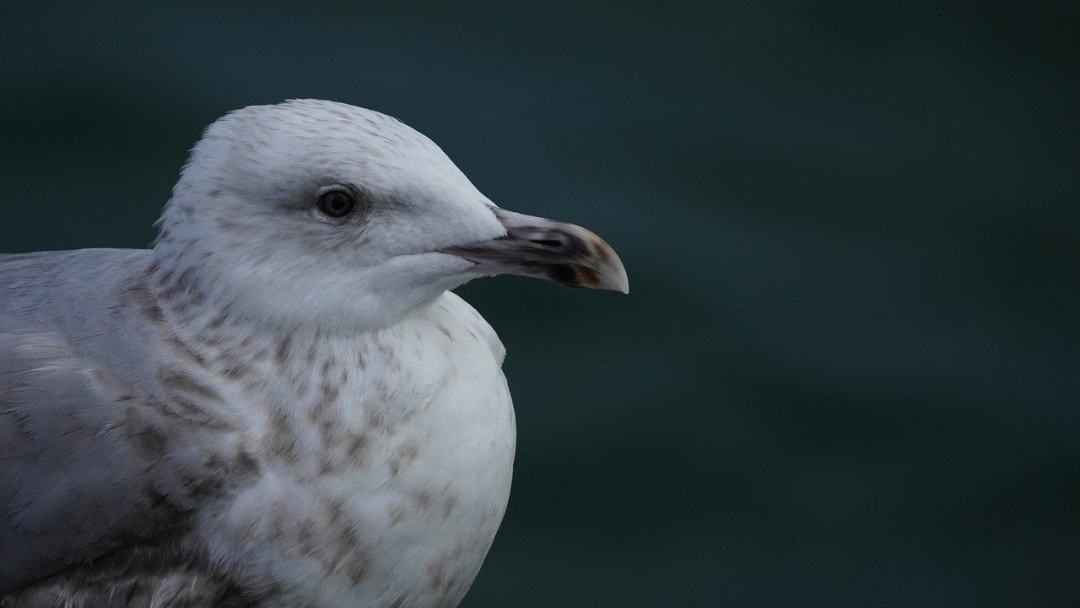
294 467
277 404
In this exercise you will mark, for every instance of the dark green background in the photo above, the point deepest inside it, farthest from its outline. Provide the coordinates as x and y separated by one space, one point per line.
849 370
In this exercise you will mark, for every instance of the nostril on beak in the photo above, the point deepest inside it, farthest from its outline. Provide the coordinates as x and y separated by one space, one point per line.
553 243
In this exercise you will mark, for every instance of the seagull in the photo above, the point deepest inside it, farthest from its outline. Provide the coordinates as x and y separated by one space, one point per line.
281 403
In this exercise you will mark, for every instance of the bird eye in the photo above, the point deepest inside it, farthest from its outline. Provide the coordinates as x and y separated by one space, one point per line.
336 203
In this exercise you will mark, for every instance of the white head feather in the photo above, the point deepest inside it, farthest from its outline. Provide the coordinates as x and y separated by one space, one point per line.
244 230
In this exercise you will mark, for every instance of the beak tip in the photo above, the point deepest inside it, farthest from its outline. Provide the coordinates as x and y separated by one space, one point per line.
614 276
622 284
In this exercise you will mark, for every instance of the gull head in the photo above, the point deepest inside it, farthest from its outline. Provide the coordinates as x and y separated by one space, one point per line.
321 214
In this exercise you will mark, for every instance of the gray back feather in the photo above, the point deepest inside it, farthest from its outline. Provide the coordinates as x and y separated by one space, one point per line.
78 471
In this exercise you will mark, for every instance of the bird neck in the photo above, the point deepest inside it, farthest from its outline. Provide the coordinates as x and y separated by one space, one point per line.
186 300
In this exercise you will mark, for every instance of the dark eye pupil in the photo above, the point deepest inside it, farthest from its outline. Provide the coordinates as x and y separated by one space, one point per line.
336 203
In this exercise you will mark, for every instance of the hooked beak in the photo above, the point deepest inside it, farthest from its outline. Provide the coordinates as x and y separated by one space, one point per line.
537 247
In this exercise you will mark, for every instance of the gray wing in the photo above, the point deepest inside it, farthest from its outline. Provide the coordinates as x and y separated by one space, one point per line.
72 486
85 466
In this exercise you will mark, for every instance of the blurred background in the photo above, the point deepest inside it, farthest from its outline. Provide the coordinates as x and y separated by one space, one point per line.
848 373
